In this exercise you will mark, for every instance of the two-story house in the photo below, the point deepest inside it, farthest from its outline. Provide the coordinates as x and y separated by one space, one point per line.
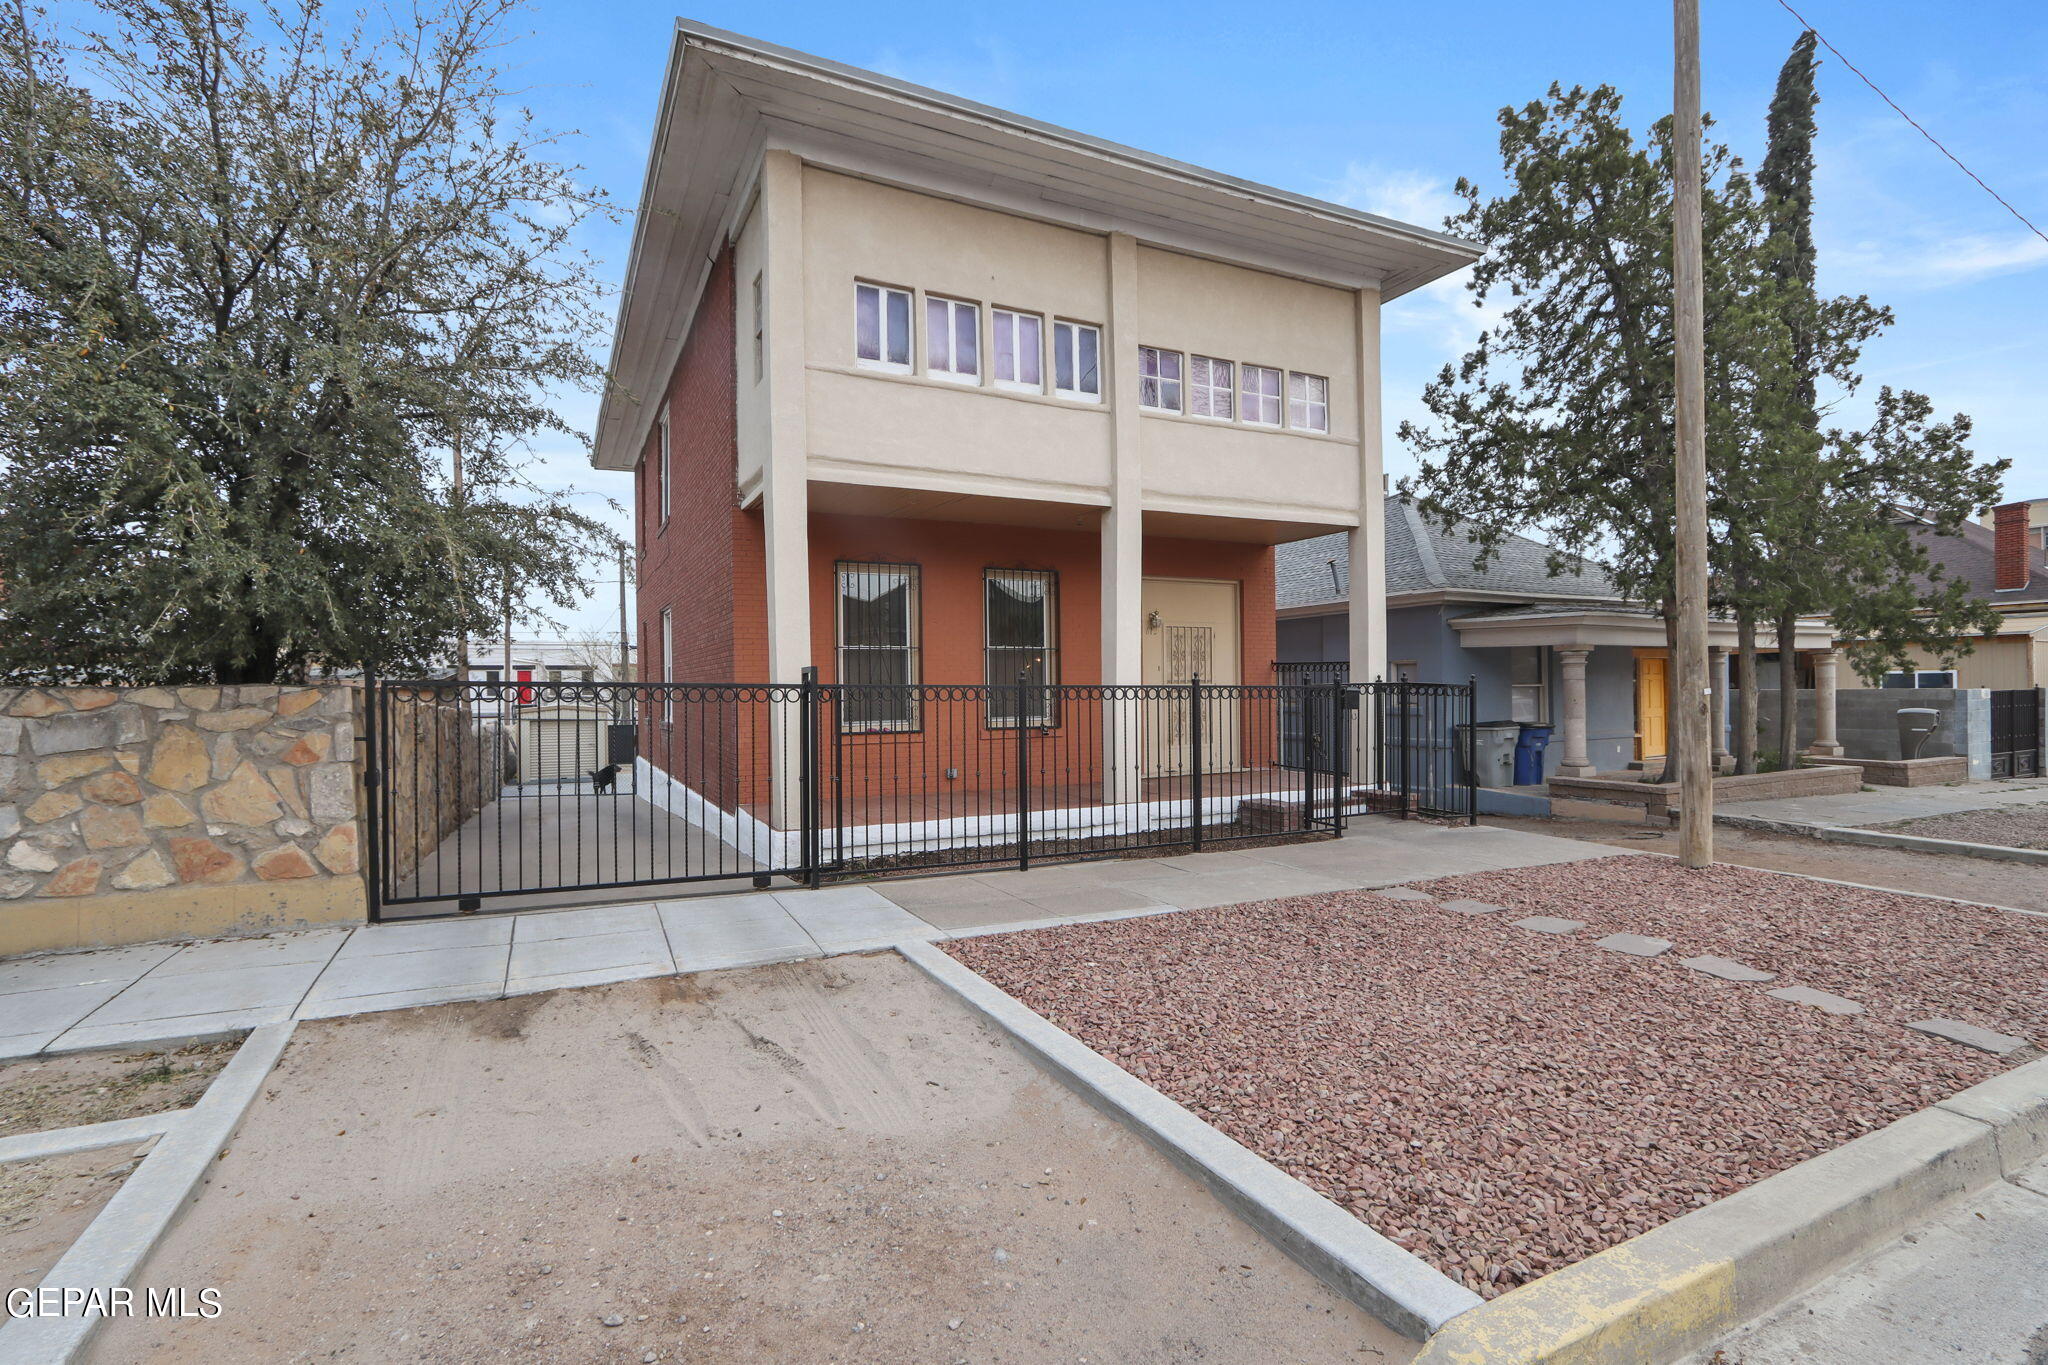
920 391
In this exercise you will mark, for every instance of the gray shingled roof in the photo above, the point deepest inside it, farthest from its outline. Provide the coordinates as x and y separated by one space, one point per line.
1422 557
1971 555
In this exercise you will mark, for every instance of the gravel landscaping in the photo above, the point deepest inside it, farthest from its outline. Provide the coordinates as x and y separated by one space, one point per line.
1503 1101
2007 826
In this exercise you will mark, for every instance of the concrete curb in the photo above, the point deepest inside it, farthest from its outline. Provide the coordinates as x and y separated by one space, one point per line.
112 1248
1865 886
1680 1287
88 1137
1399 1289
1878 838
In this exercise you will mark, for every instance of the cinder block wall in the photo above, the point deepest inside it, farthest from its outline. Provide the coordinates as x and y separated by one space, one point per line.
1867 721
133 814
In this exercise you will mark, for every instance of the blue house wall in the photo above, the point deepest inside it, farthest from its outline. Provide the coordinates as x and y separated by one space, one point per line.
1426 637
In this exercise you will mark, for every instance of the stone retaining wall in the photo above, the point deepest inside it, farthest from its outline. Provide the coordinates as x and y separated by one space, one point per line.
130 814
444 765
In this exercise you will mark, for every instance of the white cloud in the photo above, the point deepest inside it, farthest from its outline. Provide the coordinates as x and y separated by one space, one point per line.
1407 195
1929 261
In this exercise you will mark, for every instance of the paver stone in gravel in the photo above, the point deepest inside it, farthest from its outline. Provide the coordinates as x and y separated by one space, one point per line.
1820 1000
1969 1035
1726 968
1464 907
1633 943
1403 893
1550 924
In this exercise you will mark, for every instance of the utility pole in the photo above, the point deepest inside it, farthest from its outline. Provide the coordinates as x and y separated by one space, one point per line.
1695 760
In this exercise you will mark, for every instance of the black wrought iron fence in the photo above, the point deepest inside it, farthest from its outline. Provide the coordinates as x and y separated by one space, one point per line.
1418 754
485 790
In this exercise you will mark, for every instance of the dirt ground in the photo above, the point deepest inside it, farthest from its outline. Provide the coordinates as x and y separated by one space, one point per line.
41 1093
1934 874
2009 826
814 1162
45 1204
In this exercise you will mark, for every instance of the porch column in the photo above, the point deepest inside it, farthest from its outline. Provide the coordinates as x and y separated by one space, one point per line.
1367 579
1123 537
1572 664
785 489
1717 676
1824 743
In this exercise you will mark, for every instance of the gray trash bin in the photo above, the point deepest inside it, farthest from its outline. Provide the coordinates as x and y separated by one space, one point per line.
1493 752
1916 723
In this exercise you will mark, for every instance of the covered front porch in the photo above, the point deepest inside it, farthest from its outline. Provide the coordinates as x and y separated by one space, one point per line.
1611 672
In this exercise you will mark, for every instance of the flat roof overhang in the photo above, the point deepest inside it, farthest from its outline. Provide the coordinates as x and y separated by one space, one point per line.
726 98
1592 629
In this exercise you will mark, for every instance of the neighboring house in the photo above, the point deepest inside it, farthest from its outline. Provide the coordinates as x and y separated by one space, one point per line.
919 391
2005 564
2037 521
538 661
1561 650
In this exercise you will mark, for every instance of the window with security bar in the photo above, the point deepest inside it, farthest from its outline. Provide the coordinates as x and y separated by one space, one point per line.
878 646
1021 635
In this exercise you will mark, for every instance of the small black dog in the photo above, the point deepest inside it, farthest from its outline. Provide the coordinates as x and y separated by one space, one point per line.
601 779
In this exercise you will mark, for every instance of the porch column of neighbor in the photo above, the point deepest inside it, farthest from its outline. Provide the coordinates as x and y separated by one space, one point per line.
785 494
1572 665
1123 538
1367 579
1717 676
1824 743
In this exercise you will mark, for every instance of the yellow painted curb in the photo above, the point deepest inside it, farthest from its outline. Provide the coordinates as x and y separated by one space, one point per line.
1627 1303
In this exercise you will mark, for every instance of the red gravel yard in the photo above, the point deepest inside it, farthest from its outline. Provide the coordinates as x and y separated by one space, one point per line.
1504 1102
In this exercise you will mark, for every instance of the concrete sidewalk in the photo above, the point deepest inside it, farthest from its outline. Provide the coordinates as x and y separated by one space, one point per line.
1963 1287
154 992
1882 805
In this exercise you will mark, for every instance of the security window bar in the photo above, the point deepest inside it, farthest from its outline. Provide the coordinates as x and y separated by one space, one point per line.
878 646
1209 387
663 467
1021 634
881 327
1260 395
1019 351
1159 379
952 340
1077 361
760 333
1308 402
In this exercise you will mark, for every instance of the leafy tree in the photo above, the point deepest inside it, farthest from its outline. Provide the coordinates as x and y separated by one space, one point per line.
258 277
1817 525
1561 418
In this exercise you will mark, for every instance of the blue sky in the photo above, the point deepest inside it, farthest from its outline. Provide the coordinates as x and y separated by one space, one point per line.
1384 107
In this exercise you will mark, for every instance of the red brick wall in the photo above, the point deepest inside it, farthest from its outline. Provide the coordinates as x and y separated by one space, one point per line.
687 563
893 775
717 743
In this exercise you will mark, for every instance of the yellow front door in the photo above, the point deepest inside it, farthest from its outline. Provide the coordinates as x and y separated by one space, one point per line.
1653 669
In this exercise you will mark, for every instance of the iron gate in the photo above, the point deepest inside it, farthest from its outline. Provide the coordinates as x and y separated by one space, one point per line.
487 790
2016 732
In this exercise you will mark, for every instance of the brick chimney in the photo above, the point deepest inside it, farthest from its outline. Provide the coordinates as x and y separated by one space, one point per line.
2009 552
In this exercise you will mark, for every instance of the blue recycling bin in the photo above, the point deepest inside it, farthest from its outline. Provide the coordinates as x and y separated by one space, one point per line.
1529 754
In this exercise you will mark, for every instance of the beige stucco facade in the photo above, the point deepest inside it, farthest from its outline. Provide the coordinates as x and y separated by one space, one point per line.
820 430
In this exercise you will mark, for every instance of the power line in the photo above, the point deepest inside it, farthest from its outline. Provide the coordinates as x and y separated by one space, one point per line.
1910 119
